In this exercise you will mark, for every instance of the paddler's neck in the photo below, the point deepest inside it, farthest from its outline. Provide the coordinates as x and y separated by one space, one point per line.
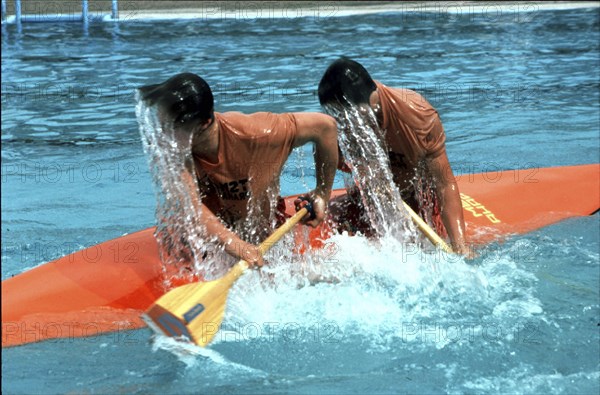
205 142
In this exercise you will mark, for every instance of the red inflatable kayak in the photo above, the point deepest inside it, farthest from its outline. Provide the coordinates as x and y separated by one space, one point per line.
105 288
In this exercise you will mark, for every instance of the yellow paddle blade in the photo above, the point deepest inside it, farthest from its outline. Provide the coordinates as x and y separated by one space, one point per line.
194 311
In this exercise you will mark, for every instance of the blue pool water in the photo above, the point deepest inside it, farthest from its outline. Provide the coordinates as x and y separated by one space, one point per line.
514 90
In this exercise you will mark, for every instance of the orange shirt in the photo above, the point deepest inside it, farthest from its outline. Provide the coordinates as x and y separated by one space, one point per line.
412 128
252 151
413 131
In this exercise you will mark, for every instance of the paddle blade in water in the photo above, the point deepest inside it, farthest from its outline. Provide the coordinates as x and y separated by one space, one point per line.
194 311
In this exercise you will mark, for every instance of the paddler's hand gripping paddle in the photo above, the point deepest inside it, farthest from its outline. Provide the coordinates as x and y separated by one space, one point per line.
196 310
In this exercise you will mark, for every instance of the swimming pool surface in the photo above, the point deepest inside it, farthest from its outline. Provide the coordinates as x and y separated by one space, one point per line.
514 90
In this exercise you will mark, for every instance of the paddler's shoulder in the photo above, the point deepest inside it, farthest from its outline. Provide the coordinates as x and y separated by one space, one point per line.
236 116
393 89
397 93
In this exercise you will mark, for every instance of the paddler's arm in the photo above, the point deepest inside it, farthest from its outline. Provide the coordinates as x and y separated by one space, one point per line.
320 129
448 195
232 243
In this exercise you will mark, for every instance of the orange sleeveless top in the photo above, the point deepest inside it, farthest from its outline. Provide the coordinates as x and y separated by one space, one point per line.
252 151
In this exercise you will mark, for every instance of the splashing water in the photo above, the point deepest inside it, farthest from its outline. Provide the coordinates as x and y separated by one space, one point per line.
389 298
363 144
182 240
185 247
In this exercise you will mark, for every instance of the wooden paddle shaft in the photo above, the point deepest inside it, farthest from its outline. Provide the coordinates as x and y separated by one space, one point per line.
266 245
427 231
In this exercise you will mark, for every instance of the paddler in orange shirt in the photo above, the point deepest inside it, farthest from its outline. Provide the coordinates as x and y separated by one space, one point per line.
238 159
415 143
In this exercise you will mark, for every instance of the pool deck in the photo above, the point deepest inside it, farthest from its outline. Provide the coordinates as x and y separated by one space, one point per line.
144 10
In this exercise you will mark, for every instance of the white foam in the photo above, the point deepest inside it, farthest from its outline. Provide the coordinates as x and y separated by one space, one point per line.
384 293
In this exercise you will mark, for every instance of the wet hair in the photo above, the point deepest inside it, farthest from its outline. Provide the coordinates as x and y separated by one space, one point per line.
346 82
185 98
